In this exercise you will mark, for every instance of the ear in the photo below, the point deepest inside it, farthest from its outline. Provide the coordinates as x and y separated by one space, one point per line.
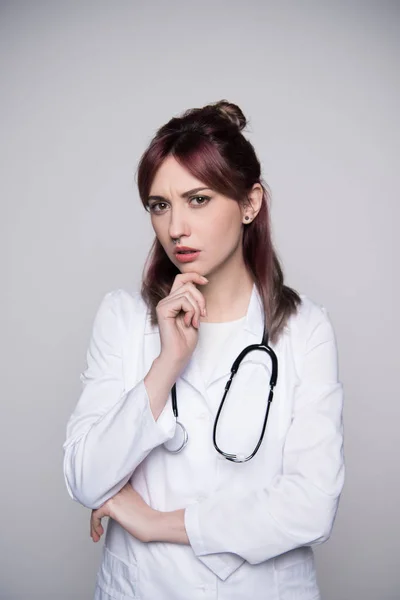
252 205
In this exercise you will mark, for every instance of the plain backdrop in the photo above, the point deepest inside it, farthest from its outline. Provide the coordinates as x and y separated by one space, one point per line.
83 88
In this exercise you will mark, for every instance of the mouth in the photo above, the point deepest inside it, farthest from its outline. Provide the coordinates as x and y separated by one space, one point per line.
186 254
185 250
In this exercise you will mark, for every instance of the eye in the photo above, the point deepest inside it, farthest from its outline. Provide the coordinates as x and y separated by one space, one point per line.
158 207
203 200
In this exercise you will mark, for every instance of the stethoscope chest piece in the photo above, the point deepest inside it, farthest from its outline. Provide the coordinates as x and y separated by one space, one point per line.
179 441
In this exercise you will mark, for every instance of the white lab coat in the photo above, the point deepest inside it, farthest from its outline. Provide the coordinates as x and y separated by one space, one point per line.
250 525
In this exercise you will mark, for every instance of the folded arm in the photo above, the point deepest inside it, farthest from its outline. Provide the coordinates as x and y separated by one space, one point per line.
97 463
300 505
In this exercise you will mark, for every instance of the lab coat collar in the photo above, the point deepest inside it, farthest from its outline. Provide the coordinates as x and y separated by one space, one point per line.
251 333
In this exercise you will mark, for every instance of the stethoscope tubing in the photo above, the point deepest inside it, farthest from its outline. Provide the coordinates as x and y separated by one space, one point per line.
264 346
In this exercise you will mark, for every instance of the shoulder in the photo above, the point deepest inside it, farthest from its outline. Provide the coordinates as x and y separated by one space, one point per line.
310 319
124 300
122 306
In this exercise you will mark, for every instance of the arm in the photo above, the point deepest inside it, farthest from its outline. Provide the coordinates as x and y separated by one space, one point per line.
112 430
299 506
297 509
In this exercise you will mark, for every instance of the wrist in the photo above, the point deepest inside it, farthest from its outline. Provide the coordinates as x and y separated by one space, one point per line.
170 527
165 370
169 365
154 525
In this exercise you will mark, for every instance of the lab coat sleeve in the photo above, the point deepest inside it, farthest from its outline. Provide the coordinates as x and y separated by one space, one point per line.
112 429
299 506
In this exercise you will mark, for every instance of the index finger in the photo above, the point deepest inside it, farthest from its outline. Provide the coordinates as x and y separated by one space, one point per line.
185 277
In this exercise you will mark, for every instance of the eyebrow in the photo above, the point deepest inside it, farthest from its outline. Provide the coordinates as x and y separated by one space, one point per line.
183 195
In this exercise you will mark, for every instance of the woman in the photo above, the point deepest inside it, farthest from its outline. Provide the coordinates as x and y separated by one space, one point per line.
233 519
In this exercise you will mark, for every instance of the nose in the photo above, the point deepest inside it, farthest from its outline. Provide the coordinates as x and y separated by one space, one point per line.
178 224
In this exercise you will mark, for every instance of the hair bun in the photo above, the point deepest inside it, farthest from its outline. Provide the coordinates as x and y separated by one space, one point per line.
232 113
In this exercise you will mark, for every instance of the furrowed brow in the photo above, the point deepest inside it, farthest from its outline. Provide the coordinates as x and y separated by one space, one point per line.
194 191
183 195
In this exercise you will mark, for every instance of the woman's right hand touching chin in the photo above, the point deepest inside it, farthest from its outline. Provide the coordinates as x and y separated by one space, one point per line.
178 316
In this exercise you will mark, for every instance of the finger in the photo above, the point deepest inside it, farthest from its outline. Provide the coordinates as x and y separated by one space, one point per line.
189 306
182 302
95 536
96 533
93 532
99 529
196 293
171 306
183 278
95 522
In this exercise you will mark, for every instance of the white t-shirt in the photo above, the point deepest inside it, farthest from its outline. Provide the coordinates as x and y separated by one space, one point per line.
212 337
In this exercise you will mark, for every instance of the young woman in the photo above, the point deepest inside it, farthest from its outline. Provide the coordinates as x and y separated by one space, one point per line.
208 499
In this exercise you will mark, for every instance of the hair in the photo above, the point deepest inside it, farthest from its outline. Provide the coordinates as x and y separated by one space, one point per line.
208 142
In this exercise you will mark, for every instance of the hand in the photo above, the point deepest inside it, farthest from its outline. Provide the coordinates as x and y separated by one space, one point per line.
178 316
129 509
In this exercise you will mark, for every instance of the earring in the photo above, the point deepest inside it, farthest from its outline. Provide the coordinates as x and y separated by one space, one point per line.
246 218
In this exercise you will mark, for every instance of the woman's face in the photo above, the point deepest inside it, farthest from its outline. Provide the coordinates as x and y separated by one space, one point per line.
185 212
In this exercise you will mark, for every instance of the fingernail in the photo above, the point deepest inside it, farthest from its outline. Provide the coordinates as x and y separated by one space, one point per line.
205 278
204 312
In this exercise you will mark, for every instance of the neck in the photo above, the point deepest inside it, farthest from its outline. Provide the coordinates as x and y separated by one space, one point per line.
227 293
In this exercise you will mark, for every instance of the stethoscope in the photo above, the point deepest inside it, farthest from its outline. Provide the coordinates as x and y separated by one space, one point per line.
180 439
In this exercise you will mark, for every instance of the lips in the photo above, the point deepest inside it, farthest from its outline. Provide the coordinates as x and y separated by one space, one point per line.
184 254
185 250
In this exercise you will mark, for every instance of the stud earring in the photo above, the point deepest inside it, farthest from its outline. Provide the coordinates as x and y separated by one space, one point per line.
246 218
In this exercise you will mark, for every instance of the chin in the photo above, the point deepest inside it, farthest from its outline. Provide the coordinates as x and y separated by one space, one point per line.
191 268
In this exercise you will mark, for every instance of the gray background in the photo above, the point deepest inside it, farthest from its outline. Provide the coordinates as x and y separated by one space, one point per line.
83 88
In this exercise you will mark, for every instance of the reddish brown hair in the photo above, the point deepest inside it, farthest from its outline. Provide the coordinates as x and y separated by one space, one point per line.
208 142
